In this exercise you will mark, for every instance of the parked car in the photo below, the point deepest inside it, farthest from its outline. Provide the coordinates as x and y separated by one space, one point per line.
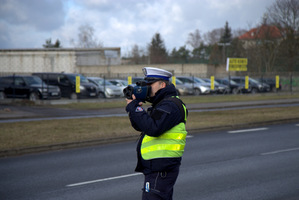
255 85
235 88
67 84
105 88
119 82
30 87
183 89
200 87
136 79
202 81
221 88
271 82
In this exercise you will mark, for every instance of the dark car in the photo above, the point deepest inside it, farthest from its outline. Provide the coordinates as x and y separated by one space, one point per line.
137 79
271 82
255 85
67 84
221 88
235 88
30 87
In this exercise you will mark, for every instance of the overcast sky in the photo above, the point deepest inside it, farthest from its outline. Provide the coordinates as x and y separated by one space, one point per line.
121 23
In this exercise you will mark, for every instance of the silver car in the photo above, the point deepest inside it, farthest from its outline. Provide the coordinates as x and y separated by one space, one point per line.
119 83
105 88
183 89
198 86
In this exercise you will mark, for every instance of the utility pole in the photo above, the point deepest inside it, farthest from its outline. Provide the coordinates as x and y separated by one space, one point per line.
224 56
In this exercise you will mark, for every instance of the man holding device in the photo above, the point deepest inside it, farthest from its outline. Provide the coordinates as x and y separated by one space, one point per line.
163 133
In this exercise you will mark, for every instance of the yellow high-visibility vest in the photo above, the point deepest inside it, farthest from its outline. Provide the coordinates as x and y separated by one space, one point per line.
170 144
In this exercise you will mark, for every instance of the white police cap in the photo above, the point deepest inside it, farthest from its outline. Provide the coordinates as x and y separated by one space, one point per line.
154 74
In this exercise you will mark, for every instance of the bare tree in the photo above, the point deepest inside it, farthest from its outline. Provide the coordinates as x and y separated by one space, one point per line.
214 36
136 54
86 38
194 39
238 32
285 15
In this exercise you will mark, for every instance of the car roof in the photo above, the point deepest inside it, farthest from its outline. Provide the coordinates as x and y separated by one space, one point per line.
92 77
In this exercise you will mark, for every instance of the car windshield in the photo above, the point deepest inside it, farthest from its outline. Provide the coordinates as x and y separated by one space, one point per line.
83 79
177 81
120 82
209 81
125 83
198 80
30 80
185 80
233 82
108 82
254 81
100 81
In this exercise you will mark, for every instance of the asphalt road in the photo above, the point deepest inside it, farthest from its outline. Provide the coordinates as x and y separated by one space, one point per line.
16 113
253 164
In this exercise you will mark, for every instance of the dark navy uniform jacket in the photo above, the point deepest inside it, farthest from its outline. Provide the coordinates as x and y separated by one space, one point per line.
161 117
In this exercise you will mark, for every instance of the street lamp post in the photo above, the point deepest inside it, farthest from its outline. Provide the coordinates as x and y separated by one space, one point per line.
225 57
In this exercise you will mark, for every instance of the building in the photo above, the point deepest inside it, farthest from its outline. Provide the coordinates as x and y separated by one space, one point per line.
263 32
56 59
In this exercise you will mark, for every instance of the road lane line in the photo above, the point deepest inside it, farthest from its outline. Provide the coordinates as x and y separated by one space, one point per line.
248 130
297 124
279 151
102 180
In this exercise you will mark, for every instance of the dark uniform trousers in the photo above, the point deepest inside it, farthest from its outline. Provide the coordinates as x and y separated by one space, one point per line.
159 185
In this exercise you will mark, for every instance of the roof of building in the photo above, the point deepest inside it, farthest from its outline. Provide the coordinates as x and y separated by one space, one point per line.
62 49
262 32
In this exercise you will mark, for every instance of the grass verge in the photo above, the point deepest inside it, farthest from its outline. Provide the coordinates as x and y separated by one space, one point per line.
187 99
40 133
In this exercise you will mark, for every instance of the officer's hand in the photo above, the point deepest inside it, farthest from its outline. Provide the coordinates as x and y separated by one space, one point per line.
133 98
130 100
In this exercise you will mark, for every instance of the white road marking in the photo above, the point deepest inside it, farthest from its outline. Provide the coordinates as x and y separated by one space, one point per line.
297 124
248 130
279 151
102 180
189 136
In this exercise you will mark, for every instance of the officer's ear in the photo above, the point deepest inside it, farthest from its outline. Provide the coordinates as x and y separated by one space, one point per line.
163 84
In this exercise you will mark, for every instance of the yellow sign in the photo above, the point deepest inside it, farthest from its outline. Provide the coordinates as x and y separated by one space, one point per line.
212 83
277 82
77 84
173 80
129 80
236 64
246 82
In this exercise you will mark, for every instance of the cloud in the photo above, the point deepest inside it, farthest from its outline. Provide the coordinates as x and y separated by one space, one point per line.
42 15
121 23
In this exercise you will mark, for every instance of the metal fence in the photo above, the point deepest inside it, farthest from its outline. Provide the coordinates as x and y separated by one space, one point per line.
289 81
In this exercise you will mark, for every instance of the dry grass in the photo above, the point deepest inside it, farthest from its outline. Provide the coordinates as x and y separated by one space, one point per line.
39 133
238 117
120 103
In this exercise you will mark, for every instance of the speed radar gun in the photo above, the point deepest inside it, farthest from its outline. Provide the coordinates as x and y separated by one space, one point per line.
142 90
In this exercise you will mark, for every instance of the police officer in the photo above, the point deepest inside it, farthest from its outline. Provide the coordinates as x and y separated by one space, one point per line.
161 145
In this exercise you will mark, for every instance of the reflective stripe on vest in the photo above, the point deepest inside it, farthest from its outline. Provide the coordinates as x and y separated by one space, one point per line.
170 144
